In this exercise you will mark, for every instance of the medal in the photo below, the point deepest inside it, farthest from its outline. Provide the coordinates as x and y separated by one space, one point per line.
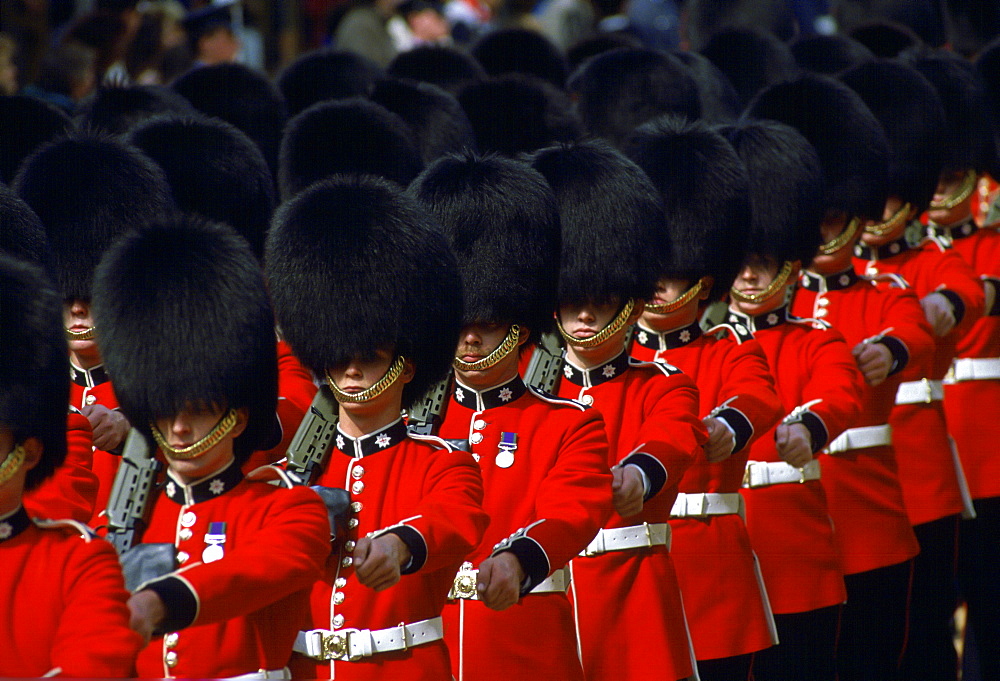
508 443
215 538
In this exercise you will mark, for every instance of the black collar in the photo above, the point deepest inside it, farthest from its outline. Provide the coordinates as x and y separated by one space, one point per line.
666 340
14 523
497 396
204 489
883 252
821 283
760 322
600 374
88 378
953 232
372 443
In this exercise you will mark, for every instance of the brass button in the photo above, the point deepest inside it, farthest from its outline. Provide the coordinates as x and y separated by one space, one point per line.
171 659
347 561
349 545
340 582
357 472
188 519
587 399
476 438
479 424
356 506
352 523
185 534
338 598
91 399
338 621
358 487
170 640
182 556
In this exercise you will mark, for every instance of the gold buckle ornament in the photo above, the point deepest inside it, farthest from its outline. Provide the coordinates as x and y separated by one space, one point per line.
465 583
337 646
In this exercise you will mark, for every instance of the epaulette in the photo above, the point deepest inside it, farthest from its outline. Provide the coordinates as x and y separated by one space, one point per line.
740 335
434 440
665 368
814 323
552 399
895 281
81 529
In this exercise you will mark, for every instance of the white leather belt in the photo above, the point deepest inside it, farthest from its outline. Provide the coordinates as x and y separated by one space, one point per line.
915 392
466 578
632 537
351 645
861 438
974 369
705 504
764 473
264 674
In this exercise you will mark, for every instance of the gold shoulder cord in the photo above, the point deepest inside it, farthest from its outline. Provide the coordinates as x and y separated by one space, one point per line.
898 219
214 437
373 391
505 348
961 194
11 464
613 327
678 302
86 334
757 298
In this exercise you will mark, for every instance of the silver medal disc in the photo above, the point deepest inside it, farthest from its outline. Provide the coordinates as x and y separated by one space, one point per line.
212 553
505 459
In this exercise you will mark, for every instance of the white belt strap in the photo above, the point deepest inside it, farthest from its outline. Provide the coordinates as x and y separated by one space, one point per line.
974 369
264 674
861 438
351 645
764 473
915 392
632 537
705 504
467 577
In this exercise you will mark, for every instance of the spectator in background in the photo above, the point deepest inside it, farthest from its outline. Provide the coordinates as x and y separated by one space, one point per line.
8 67
69 73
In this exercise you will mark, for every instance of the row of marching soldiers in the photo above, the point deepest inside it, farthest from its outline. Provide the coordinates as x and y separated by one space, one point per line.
522 439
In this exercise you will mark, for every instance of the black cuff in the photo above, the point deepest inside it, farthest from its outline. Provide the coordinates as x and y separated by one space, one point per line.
900 355
532 557
740 424
817 430
957 306
178 600
653 469
415 542
995 310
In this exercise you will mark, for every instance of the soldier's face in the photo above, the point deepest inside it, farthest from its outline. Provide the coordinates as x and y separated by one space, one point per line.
476 342
892 206
669 290
190 426
77 318
757 274
948 185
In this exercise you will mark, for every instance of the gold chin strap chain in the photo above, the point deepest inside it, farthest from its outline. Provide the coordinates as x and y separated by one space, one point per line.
505 348
771 289
613 327
86 334
373 391
842 239
11 464
960 195
898 219
214 437
678 302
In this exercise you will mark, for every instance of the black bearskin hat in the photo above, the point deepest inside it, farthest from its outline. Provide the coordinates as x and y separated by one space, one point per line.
88 190
242 97
884 38
829 54
515 113
346 136
214 170
719 99
619 90
34 366
612 220
447 67
848 138
988 67
912 116
326 74
751 60
21 232
706 198
921 17
502 223
354 265
118 109
708 17
436 117
186 323
967 136
786 189
25 124
521 50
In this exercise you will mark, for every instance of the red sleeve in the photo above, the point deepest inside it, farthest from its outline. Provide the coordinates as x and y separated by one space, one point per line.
831 395
71 491
948 273
574 499
747 399
907 333
287 554
93 638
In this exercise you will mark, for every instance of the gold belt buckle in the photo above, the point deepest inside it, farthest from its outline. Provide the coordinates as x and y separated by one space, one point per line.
337 646
465 583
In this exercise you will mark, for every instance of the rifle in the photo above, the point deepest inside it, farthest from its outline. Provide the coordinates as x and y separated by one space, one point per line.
313 440
425 415
546 363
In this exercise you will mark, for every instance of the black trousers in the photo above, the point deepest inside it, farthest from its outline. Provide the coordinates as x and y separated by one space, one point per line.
930 650
735 668
807 649
979 579
873 623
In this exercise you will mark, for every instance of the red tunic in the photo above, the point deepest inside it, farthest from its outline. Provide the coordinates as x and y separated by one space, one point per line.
431 496
554 496
790 528
628 602
63 603
927 468
90 387
240 613
70 491
966 401
715 550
